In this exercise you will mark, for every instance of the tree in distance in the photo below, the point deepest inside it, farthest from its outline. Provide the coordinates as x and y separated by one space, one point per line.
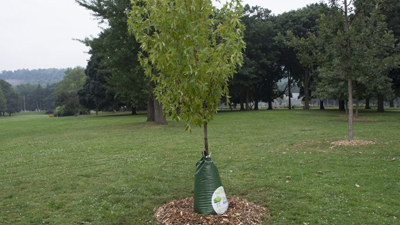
359 49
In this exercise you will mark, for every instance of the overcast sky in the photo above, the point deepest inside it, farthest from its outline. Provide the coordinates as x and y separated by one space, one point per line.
40 33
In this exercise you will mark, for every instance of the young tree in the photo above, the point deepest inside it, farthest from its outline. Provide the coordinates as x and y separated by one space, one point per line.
357 46
190 52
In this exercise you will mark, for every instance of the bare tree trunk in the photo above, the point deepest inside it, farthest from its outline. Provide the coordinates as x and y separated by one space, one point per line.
349 76
381 99
350 106
289 92
270 105
367 106
342 105
256 105
321 104
205 140
241 101
150 108
133 110
247 100
97 112
357 106
306 91
159 118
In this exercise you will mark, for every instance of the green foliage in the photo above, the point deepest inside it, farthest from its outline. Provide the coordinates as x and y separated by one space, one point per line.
118 52
299 45
94 95
256 79
35 97
366 52
9 99
3 101
66 91
190 51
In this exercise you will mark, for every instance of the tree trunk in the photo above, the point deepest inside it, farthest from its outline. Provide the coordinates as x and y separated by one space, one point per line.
350 106
306 93
342 105
357 106
270 105
289 93
241 101
97 112
206 153
321 104
367 106
247 100
159 118
349 76
150 108
381 99
133 110
391 104
256 105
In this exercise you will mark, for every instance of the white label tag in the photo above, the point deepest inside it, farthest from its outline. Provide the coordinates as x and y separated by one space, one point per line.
219 201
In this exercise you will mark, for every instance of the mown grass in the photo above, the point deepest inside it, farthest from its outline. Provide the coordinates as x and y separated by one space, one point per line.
116 168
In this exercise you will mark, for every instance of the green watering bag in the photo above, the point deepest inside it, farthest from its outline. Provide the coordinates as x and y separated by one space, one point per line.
209 194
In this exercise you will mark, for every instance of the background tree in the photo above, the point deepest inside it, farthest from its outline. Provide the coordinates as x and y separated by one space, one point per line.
256 79
66 92
356 44
3 101
11 96
190 53
37 76
35 97
302 24
118 51
94 95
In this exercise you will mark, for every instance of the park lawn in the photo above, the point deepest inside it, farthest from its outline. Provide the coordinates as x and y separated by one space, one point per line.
116 168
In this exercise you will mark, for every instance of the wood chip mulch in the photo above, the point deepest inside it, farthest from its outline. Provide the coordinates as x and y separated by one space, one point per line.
352 143
240 212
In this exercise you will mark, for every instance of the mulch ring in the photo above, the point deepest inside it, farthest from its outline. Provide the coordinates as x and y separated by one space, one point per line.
240 212
352 143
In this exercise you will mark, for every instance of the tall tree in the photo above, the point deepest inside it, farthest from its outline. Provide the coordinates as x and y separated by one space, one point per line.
94 94
119 52
3 101
298 57
356 44
12 103
66 92
256 79
190 53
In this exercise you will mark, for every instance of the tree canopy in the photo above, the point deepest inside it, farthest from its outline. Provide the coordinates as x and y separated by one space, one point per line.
190 51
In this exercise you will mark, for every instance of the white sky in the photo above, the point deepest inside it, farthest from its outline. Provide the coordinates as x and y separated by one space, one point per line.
39 33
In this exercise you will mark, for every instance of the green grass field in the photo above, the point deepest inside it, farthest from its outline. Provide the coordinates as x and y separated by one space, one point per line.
116 168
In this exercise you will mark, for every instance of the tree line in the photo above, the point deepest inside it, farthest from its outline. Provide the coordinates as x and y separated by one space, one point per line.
36 76
289 45
302 46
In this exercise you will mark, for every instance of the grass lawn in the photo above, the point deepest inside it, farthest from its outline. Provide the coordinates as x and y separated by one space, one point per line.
116 168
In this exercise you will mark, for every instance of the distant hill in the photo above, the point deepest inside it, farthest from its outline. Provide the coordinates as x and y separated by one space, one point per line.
38 76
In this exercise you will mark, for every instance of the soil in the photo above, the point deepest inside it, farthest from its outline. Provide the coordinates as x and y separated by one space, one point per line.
352 143
240 212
